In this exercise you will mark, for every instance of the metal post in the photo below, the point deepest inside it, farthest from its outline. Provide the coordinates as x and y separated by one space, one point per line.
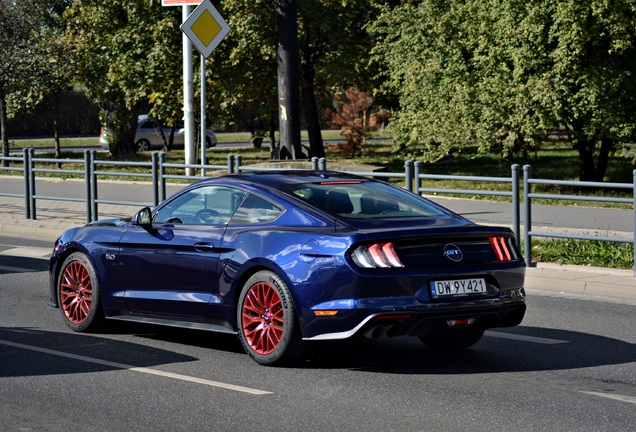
26 164
188 97
87 182
314 163
516 224
239 162
31 187
230 164
322 164
203 117
155 178
634 212
416 174
408 175
527 219
162 176
94 214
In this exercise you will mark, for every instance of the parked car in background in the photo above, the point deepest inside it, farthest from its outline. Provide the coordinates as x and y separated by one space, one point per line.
148 138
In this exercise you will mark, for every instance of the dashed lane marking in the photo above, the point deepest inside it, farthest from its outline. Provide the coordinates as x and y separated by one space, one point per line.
523 338
28 252
622 398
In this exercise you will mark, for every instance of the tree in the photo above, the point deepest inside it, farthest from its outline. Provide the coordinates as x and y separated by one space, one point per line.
19 22
507 72
119 50
44 69
333 55
356 118
241 72
332 52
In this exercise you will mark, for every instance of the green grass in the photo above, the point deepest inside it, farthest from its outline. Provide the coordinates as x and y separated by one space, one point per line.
584 252
94 141
64 142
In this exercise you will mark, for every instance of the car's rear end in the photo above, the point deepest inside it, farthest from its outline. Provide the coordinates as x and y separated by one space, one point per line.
414 283
407 267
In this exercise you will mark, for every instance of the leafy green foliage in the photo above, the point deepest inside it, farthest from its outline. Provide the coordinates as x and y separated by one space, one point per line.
504 73
30 61
119 51
242 72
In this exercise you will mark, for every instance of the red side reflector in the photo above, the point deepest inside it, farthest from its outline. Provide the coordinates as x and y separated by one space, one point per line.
395 316
462 322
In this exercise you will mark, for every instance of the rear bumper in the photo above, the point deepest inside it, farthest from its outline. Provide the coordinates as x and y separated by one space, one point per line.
412 318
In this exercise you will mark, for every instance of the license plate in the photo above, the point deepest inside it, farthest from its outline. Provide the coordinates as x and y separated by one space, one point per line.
458 287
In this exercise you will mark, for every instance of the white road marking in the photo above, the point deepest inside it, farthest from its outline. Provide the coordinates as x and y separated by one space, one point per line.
28 252
523 338
138 369
622 398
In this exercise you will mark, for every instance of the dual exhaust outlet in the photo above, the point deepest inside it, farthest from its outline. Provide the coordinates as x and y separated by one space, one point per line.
382 331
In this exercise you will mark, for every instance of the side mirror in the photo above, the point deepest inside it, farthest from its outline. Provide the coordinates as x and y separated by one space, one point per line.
143 217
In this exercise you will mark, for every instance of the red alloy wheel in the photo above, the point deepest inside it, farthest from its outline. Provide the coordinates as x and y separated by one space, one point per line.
76 292
262 318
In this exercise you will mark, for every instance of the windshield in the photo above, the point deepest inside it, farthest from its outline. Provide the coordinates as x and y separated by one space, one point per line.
360 199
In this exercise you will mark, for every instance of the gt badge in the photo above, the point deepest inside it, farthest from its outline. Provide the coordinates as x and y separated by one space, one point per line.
453 252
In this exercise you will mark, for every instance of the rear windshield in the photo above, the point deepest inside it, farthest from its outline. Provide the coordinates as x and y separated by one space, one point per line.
363 200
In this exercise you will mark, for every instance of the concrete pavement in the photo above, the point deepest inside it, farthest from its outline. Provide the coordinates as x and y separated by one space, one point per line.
548 279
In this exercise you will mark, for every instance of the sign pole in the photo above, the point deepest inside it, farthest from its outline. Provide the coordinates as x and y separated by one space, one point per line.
205 28
188 98
203 139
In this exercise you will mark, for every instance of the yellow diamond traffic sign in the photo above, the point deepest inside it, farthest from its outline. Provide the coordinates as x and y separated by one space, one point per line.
205 27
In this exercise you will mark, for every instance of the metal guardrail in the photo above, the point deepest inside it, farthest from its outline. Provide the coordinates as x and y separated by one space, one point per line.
413 176
528 195
513 180
25 195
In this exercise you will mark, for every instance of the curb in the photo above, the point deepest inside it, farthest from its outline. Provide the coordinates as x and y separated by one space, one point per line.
606 283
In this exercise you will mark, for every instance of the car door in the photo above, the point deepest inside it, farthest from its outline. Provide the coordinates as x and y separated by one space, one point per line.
171 268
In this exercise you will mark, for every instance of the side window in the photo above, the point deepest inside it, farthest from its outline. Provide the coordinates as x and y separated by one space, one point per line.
254 210
207 205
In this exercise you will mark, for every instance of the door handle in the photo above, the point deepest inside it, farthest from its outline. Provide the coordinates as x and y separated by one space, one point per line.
204 247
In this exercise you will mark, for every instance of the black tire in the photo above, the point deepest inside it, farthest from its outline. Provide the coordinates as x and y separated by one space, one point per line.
267 321
453 339
208 143
78 294
257 142
143 145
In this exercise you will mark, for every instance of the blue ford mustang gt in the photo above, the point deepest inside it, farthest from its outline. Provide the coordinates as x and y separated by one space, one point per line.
285 258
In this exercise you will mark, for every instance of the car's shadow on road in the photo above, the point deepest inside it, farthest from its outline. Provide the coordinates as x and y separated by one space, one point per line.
35 352
529 349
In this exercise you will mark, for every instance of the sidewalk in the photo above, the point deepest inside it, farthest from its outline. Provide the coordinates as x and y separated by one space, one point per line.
545 279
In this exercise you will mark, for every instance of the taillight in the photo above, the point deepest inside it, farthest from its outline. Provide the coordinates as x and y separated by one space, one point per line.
376 255
504 249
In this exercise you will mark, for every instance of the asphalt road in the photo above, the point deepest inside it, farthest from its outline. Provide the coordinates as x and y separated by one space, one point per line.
569 366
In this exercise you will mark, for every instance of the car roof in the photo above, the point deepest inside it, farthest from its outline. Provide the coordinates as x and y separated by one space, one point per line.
277 179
